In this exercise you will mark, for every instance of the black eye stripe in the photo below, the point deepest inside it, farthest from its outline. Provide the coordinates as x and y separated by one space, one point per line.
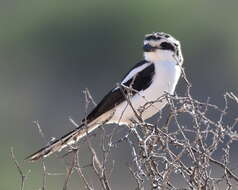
167 46
152 38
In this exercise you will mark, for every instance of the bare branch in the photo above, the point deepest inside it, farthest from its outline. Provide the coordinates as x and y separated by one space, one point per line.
183 145
23 176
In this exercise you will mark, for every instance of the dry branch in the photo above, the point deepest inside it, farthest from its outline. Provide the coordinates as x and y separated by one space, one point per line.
183 143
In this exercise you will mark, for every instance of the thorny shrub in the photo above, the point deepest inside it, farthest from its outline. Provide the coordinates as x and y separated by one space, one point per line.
182 144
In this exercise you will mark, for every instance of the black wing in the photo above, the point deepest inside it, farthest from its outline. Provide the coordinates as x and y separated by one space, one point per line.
138 82
138 79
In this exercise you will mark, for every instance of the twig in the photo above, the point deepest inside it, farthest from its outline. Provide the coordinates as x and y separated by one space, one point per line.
70 170
23 176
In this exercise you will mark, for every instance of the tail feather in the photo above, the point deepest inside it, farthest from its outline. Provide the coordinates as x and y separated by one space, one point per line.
61 143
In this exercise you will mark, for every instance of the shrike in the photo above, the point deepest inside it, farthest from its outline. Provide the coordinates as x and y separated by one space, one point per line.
138 95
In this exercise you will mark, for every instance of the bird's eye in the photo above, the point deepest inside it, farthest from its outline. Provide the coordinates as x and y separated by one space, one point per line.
167 46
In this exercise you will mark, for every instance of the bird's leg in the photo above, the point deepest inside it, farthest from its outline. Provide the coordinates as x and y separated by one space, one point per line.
148 128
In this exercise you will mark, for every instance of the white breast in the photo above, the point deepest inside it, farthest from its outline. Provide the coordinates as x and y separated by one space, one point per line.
165 79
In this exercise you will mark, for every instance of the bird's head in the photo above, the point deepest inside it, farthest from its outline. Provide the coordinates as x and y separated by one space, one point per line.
160 46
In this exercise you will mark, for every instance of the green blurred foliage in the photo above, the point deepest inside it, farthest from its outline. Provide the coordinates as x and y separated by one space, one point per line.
51 50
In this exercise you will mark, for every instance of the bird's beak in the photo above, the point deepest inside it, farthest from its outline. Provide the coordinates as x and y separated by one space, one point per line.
148 48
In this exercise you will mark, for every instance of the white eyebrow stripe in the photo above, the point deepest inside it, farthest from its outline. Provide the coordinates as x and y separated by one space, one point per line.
134 72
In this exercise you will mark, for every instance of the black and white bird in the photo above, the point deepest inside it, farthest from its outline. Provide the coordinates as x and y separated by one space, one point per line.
137 96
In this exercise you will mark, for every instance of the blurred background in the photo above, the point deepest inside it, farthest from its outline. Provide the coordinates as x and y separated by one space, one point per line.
50 51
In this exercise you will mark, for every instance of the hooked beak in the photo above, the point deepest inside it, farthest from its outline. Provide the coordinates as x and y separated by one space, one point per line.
148 48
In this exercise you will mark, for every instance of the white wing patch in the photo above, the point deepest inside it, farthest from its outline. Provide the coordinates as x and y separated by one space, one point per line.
134 72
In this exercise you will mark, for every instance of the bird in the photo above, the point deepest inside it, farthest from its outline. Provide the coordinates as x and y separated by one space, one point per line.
136 98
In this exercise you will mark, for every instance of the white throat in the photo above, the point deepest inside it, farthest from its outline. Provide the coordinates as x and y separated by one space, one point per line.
159 55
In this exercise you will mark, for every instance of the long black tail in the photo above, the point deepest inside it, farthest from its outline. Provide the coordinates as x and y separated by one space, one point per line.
59 144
